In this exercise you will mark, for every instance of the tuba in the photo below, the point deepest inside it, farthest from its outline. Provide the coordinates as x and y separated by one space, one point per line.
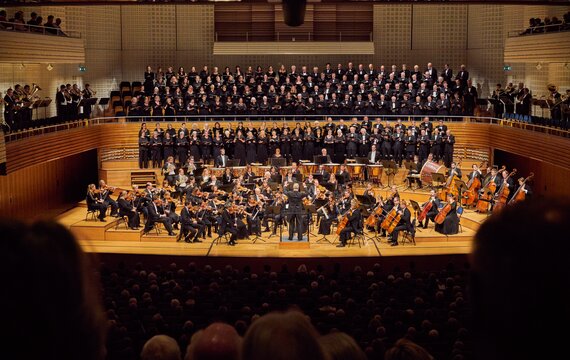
35 89
552 88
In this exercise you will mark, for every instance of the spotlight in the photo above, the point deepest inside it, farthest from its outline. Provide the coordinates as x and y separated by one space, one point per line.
49 67
294 12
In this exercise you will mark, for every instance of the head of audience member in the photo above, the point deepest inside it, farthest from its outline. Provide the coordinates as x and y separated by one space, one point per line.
340 346
161 347
405 349
52 306
520 281
282 336
218 341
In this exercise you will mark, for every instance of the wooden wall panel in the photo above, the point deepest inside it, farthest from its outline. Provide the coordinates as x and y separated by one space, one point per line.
47 188
549 47
36 48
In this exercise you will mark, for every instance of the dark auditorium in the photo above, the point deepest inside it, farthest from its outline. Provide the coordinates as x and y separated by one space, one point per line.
284 179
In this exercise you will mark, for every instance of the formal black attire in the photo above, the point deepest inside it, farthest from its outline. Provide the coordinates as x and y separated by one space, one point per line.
126 209
403 224
354 225
450 225
296 214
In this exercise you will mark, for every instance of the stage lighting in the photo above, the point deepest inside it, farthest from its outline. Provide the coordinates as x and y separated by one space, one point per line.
294 12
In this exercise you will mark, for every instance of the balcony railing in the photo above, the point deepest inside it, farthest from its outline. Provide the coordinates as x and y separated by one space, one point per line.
34 29
294 36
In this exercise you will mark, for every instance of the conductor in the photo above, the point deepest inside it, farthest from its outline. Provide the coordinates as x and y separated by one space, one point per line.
296 212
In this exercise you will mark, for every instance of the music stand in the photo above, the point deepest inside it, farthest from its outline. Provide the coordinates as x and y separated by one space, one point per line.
390 168
409 165
87 102
35 105
257 237
542 103
318 205
233 163
45 103
417 209
460 184
439 179
103 101
228 188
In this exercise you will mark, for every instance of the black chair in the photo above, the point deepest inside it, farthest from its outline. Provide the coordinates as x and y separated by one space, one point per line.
91 215
409 234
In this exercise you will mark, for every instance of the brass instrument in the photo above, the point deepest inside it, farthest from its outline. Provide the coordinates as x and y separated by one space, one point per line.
35 89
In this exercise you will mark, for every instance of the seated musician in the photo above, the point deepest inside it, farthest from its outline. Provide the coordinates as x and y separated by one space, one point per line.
275 175
343 176
229 223
325 175
327 215
450 225
228 177
274 212
170 209
222 159
324 158
403 224
249 175
169 170
128 209
525 188
156 214
189 226
369 195
434 209
296 172
454 169
476 173
354 224
277 153
181 181
254 212
105 192
94 202
415 170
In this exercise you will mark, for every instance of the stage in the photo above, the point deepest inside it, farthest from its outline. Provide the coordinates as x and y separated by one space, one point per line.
113 238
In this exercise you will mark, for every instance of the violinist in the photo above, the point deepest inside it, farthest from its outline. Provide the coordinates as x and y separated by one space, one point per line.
170 209
229 223
156 214
228 177
94 202
327 214
274 211
128 209
403 224
205 218
354 223
105 192
450 224
434 209
189 225
249 175
369 195
181 181
254 212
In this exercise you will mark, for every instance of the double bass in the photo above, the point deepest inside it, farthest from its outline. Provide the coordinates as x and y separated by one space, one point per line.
520 195
503 193
487 196
473 185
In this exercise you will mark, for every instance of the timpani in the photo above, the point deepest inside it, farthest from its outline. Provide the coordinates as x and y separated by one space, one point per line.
333 167
284 170
238 171
355 170
375 172
218 172
255 167
310 168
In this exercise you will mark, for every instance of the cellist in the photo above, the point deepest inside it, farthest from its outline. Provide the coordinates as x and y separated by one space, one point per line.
403 224
354 223
434 209
450 224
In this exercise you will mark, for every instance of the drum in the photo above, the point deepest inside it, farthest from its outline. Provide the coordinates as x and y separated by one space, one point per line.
355 170
375 171
428 170
255 167
333 167
218 172
238 171
283 170
310 168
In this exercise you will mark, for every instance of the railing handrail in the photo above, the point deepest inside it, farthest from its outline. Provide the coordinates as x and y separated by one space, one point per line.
20 135
287 36
39 29
522 32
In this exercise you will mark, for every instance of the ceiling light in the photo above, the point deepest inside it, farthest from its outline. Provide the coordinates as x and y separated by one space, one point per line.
49 67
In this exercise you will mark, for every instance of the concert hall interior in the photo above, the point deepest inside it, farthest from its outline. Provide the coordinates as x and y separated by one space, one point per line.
209 141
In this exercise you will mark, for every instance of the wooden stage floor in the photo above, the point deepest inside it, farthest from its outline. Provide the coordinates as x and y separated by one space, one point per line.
103 237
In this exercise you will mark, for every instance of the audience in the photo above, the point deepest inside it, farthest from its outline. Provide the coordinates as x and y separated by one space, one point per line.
35 23
520 283
340 346
51 301
161 347
407 350
218 341
537 26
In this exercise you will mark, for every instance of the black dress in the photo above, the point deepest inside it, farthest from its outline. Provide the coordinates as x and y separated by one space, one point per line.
273 145
450 225
309 146
339 149
328 142
251 150
239 150
296 148
195 149
286 146
262 150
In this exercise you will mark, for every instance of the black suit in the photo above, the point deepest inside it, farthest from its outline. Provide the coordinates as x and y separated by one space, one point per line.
354 225
377 157
189 229
222 161
155 215
296 215
404 224
126 209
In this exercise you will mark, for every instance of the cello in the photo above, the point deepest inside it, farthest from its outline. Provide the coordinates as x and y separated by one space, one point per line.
450 187
503 193
487 195
426 208
440 217
343 221
473 185
376 213
392 219
520 195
